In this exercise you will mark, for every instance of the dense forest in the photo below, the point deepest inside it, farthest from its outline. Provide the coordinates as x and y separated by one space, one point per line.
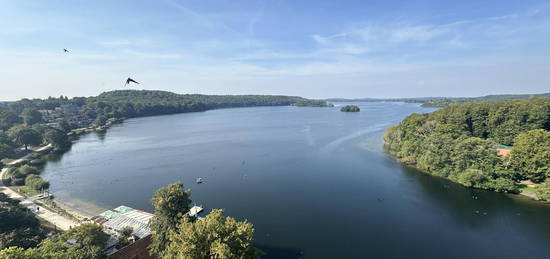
130 103
137 103
445 101
459 142
312 103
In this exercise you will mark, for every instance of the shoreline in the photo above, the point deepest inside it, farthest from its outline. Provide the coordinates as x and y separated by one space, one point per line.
53 211
77 213
527 194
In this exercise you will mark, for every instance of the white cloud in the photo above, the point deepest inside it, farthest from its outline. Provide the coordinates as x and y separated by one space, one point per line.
417 33
406 38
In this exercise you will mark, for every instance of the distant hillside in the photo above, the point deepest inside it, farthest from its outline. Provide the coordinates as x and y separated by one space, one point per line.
407 100
83 111
163 98
445 101
442 102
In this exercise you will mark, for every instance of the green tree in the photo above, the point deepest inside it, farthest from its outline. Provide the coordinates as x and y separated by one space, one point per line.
15 252
90 242
22 135
25 170
531 154
31 116
36 182
18 226
215 236
543 191
57 138
5 150
8 119
472 178
65 126
171 204
100 120
125 235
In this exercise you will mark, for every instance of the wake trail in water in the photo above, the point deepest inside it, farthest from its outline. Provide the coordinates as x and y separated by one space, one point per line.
330 147
309 138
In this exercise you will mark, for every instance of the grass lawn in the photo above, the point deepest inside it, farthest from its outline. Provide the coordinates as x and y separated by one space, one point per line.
526 188
26 190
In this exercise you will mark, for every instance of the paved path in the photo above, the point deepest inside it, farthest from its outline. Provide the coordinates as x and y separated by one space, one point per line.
56 219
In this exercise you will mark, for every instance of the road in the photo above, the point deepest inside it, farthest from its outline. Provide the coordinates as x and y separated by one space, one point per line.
56 219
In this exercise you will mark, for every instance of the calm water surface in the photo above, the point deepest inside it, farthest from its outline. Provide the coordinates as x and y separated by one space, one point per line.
314 181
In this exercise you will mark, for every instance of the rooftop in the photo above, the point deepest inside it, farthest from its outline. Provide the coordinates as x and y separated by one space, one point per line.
123 216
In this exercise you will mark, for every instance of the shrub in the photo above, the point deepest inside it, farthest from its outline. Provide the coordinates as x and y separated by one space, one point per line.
36 182
543 191
27 169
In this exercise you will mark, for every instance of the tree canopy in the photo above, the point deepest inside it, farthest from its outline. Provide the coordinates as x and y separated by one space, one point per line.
350 108
171 203
86 241
176 235
458 142
24 135
215 236
31 116
57 138
531 154
18 226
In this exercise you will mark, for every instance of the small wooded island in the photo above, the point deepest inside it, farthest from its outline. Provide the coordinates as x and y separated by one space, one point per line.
350 108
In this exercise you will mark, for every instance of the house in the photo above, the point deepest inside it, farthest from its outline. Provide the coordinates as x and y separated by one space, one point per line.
46 112
136 250
122 217
68 109
503 150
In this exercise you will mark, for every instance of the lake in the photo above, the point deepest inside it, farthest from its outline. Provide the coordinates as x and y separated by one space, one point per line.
315 182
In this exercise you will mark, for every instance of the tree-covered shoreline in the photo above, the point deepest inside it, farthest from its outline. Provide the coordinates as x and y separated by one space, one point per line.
438 102
44 121
459 143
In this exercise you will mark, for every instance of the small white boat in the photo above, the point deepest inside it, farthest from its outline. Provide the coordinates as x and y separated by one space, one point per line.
199 180
195 210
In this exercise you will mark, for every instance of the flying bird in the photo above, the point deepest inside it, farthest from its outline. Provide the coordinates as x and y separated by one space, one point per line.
130 80
65 50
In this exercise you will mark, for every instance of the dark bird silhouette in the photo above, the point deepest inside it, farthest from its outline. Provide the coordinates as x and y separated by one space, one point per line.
65 50
130 80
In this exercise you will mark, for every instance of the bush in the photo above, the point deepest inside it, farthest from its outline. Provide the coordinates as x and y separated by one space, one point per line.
503 185
472 178
543 191
27 169
36 182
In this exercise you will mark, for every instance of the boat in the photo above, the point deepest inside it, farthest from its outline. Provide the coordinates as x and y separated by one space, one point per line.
195 210
199 180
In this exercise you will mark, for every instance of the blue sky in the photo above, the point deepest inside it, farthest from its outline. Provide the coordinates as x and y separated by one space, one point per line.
313 49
